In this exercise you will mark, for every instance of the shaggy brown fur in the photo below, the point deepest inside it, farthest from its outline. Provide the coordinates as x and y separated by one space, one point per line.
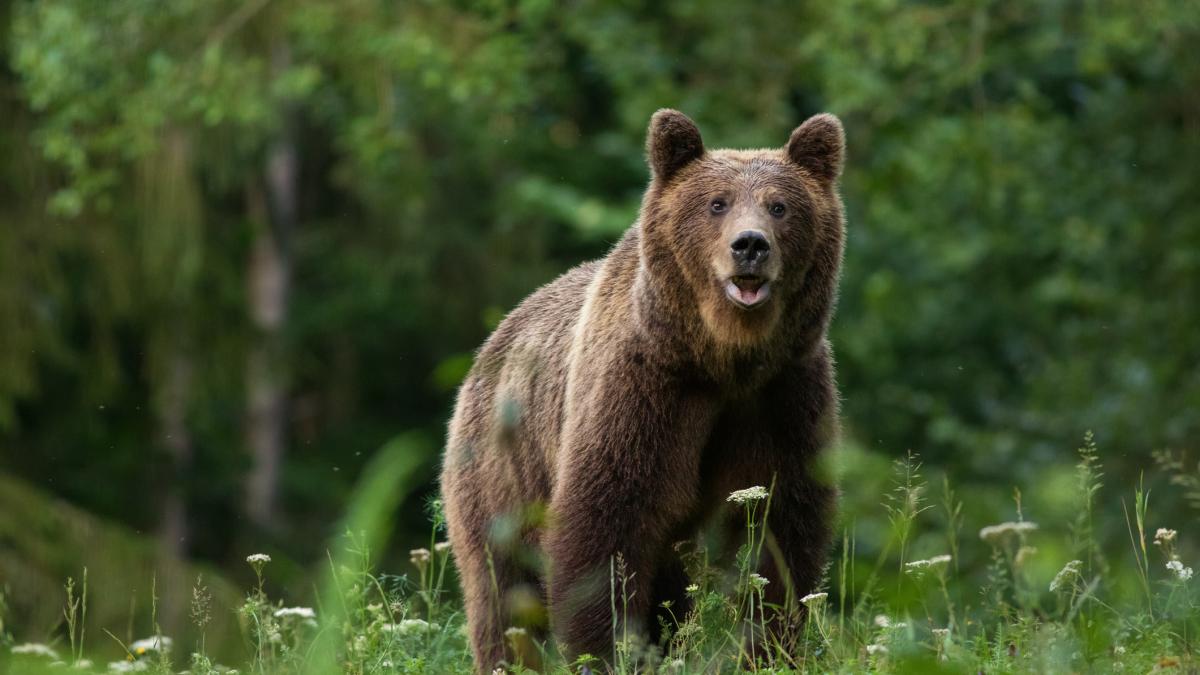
633 394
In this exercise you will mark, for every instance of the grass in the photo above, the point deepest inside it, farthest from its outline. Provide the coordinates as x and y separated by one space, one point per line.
912 588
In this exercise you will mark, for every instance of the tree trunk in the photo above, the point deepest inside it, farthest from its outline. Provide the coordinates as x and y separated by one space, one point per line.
265 393
173 408
174 397
269 279
170 238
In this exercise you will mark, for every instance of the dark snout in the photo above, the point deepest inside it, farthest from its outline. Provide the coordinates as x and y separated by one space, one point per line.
750 252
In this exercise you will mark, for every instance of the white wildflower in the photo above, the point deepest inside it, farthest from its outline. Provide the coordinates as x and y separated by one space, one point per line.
813 599
156 643
258 559
692 588
919 567
35 649
882 621
442 547
514 632
128 666
941 633
1164 536
1119 650
419 556
995 534
758 581
416 627
1182 573
82 664
298 612
750 494
876 649
1066 574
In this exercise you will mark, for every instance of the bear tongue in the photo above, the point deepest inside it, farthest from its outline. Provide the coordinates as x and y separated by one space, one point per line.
749 296
749 291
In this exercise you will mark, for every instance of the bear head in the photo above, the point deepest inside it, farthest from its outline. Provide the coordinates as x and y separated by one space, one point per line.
738 235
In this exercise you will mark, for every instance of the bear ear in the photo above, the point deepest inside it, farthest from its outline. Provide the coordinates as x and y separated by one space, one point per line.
672 142
819 145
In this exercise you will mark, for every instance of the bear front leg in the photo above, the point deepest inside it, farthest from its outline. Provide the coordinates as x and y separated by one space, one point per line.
800 527
628 473
778 439
803 505
792 559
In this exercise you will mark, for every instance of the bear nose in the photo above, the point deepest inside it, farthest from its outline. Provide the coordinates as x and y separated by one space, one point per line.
750 248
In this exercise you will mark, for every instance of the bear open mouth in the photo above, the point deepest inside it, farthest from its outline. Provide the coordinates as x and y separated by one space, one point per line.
747 292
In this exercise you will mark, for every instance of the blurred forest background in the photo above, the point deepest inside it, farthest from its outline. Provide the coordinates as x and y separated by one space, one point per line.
244 245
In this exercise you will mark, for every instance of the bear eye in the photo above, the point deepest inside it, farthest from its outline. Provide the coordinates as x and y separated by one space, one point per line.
776 209
719 205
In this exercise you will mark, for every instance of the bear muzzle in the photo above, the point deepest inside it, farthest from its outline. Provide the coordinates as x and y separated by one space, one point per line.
748 286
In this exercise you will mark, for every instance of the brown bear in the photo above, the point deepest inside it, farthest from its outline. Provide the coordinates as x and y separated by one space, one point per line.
632 394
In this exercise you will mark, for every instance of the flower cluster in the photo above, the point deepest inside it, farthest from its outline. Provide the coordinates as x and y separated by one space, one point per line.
1164 539
156 643
1067 574
35 649
750 494
889 630
814 600
419 556
997 534
409 627
298 612
258 561
303 616
1164 536
917 568
1182 573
